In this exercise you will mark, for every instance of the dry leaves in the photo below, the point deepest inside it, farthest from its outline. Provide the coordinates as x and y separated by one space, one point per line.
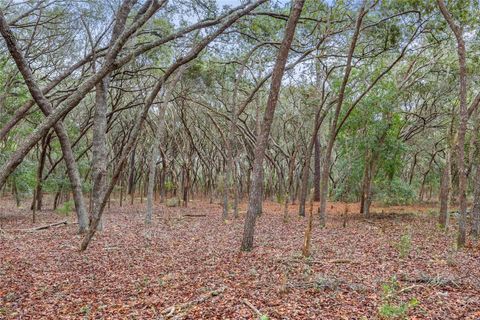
136 272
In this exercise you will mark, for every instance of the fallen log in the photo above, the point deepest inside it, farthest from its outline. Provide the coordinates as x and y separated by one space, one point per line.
194 215
47 226
179 311
435 281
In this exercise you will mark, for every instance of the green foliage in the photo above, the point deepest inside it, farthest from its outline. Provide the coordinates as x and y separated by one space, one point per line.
400 311
395 192
172 202
168 185
264 317
66 208
405 245
25 178
85 310
392 306
280 198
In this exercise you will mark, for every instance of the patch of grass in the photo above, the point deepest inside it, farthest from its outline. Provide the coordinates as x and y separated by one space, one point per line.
85 310
172 202
404 246
433 213
66 208
280 198
392 307
3 311
142 283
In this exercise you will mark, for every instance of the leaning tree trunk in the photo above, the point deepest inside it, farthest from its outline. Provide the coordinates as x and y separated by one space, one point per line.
99 150
463 113
333 128
142 114
255 200
47 109
78 95
258 130
306 167
164 98
39 190
99 144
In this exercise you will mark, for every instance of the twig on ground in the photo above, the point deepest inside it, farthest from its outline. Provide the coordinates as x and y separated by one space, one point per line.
179 311
252 307
343 261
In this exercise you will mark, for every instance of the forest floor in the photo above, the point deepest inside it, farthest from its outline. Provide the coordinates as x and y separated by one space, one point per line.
191 268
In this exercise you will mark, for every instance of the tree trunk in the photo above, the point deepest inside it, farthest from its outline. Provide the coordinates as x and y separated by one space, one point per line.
463 113
316 172
143 112
289 187
186 184
255 200
151 181
308 230
38 191
47 109
131 177
306 167
77 96
99 149
476 203
333 128
476 181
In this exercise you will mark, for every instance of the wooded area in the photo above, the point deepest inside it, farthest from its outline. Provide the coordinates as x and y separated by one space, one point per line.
260 159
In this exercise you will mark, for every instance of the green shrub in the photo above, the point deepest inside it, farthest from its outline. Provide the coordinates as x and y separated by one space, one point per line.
172 202
168 185
404 245
400 311
66 208
392 307
396 192
280 198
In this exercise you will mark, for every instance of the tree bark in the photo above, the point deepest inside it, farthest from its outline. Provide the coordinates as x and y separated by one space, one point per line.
165 96
41 165
255 199
289 187
99 143
131 177
476 181
306 166
316 171
76 97
47 109
338 108
142 115
464 115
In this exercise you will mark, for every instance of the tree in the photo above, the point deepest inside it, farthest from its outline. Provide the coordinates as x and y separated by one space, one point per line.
255 197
